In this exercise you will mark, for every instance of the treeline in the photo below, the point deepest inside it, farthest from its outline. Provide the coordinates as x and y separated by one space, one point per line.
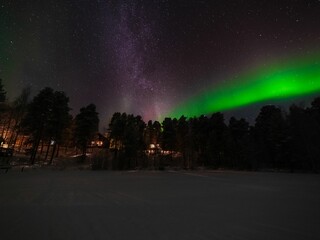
47 123
278 140
288 140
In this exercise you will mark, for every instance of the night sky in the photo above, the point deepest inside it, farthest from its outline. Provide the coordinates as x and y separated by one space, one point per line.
145 57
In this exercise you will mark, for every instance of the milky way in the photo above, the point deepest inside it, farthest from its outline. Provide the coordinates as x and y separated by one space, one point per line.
135 44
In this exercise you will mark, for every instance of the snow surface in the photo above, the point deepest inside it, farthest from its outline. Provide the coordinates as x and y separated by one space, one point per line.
51 204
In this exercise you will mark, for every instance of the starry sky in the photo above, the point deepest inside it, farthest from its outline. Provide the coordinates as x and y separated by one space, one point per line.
147 56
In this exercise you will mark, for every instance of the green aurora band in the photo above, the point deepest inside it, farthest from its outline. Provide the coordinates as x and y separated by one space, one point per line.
280 80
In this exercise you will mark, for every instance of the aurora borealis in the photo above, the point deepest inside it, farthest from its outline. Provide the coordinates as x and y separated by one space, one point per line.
158 58
287 79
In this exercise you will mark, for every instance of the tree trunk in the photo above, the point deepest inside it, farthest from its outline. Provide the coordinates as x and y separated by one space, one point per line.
3 124
13 134
47 153
14 140
41 150
115 160
58 150
35 149
8 126
84 153
52 154
21 143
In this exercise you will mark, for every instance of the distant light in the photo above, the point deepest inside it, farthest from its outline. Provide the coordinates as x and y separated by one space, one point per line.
152 146
5 145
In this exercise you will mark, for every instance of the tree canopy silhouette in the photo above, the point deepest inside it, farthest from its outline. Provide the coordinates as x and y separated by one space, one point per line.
86 126
47 117
3 93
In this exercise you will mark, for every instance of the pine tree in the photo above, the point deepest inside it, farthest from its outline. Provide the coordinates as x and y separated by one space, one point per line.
3 93
86 126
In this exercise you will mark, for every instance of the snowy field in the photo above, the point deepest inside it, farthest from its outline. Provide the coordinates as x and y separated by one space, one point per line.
47 204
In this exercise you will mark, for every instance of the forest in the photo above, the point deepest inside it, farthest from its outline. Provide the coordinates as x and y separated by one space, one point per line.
279 139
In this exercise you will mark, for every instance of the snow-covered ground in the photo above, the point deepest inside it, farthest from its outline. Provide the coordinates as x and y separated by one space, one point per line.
47 204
